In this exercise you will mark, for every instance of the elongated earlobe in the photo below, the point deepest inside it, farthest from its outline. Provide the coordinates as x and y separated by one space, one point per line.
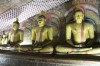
83 17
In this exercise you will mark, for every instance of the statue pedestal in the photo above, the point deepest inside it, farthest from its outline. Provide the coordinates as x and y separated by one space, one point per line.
8 58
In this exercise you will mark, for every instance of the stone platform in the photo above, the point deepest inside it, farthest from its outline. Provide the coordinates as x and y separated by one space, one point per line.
11 58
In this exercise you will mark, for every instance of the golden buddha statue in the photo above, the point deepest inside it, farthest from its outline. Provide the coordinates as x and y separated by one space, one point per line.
42 36
79 35
16 36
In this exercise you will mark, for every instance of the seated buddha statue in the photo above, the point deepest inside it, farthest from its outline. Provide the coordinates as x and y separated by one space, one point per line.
42 36
79 35
4 38
16 36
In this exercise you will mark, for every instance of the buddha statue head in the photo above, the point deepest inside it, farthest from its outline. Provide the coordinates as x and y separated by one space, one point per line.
78 16
16 25
41 20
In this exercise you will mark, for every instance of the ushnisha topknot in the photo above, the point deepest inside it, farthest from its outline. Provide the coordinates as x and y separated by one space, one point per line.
41 16
78 8
16 21
78 11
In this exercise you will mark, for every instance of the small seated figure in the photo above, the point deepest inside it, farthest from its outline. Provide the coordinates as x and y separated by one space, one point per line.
4 38
79 35
16 36
42 36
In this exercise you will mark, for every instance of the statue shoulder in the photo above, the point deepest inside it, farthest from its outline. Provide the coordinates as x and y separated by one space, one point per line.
20 30
34 29
48 27
89 24
70 25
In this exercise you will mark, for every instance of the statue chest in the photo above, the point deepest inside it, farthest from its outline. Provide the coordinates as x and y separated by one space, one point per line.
41 34
76 29
15 36
79 29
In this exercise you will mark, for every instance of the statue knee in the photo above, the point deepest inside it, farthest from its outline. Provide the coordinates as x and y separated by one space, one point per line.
58 49
50 48
47 49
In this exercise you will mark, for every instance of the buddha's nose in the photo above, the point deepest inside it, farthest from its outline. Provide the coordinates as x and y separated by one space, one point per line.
78 16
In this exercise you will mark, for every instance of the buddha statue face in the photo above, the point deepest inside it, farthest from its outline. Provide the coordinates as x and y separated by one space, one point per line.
41 21
15 26
79 16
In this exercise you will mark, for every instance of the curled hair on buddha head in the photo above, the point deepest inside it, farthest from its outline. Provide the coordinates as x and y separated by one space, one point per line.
78 11
16 21
79 8
41 16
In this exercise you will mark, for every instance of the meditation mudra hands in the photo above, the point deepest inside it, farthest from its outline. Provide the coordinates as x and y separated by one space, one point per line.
12 44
